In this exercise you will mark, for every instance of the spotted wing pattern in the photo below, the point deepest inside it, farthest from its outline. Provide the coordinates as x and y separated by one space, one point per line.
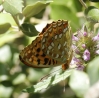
33 56
52 47
56 41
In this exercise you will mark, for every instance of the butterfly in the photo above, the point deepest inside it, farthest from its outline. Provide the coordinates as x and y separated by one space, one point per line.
52 47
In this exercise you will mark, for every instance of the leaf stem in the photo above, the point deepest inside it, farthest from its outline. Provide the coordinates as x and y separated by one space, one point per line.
82 2
16 20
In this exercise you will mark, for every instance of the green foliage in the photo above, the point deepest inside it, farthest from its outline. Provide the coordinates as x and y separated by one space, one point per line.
28 29
4 89
19 21
4 28
5 50
79 82
63 10
48 82
31 10
92 13
14 7
93 71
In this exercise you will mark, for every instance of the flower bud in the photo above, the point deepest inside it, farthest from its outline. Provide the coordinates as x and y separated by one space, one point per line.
86 55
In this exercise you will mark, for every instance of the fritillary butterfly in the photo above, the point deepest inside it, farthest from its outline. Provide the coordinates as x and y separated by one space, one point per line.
51 48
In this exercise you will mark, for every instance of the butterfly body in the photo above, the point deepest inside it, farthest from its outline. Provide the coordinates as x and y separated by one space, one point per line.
52 47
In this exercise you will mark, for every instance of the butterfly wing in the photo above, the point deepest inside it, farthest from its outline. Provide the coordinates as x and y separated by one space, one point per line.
33 56
51 48
56 41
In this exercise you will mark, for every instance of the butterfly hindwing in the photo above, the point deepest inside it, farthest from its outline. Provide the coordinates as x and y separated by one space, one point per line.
33 56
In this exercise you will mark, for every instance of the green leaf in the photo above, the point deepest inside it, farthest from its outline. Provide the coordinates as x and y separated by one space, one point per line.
4 71
6 18
92 14
35 8
76 4
8 91
1 1
8 37
64 12
48 82
5 50
89 26
13 6
79 82
4 27
4 77
35 73
93 70
19 79
29 29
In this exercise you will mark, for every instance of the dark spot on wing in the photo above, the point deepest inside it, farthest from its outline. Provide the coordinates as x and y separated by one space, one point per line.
46 61
38 50
39 41
38 60
37 55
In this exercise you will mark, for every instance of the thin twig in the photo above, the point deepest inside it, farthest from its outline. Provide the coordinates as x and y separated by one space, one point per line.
82 2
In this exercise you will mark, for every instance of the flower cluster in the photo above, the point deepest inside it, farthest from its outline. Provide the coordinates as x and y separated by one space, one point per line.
85 47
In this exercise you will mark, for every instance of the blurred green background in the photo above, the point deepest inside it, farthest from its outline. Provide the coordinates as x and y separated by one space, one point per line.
15 76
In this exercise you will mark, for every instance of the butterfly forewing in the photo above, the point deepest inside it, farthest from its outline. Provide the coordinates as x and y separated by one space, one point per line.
56 41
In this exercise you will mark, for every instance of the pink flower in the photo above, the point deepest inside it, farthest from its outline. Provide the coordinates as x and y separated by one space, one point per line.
85 34
78 62
75 59
97 51
80 67
86 55
74 38
96 38
83 45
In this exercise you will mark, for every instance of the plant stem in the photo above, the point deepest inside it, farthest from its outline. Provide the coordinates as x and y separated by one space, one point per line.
16 20
82 2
